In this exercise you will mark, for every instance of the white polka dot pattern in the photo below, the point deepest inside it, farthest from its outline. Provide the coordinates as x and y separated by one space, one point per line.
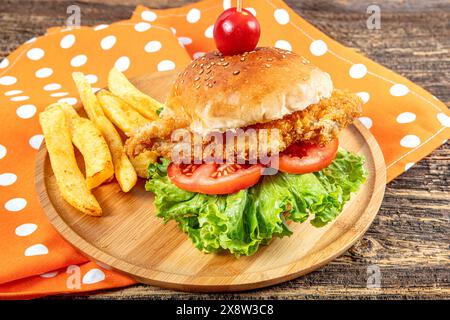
26 111
185 40
406 117
142 26
251 10
7 179
52 87
7 80
209 32
357 71
19 98
318 48
108 42
15 204
36 250
166 65
366 121
4 63
365 96
153 46
100 27
149 16
58 94
399 90
410 141
26 229
3 151
282 16
36 141
35 54
91 78
49 274
123 63
283 44
67 41
44 73
79 60
93 276
226 4
13 93
198 55
70 100
193 15
444 119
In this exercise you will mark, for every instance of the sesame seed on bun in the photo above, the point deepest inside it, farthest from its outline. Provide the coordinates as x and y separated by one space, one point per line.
218 93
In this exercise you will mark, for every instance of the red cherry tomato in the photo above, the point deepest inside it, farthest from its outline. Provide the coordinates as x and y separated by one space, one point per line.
211 178
304 157
236 32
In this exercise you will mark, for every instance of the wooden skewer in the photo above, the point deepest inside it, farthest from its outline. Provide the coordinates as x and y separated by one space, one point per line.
239 5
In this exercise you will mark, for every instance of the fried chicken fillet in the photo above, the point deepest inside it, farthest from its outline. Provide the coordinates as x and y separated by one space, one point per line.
319 123
262 90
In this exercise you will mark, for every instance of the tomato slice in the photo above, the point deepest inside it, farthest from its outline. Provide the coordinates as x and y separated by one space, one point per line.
212 178
305 157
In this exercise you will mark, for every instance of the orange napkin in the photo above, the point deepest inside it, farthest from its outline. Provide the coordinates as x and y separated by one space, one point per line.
407 121
32 77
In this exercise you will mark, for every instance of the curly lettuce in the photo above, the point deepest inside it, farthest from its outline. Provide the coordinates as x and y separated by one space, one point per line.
243 221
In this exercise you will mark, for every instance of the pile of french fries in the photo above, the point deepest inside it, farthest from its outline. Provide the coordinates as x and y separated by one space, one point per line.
121 108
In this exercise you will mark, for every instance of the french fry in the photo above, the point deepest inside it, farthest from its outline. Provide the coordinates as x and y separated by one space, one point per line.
90 142
120 86
125 174
120 113
90 102
124 171
141 162
69 178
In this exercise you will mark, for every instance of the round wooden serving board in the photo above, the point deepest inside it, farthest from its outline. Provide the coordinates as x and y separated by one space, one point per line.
131 239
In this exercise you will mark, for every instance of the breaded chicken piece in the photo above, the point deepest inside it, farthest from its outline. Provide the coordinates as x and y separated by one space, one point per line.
150 136
319 123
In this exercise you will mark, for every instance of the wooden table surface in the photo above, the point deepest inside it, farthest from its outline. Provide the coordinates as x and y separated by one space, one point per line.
409 240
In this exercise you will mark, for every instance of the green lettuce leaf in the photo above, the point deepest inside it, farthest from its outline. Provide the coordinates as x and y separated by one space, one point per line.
243 221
